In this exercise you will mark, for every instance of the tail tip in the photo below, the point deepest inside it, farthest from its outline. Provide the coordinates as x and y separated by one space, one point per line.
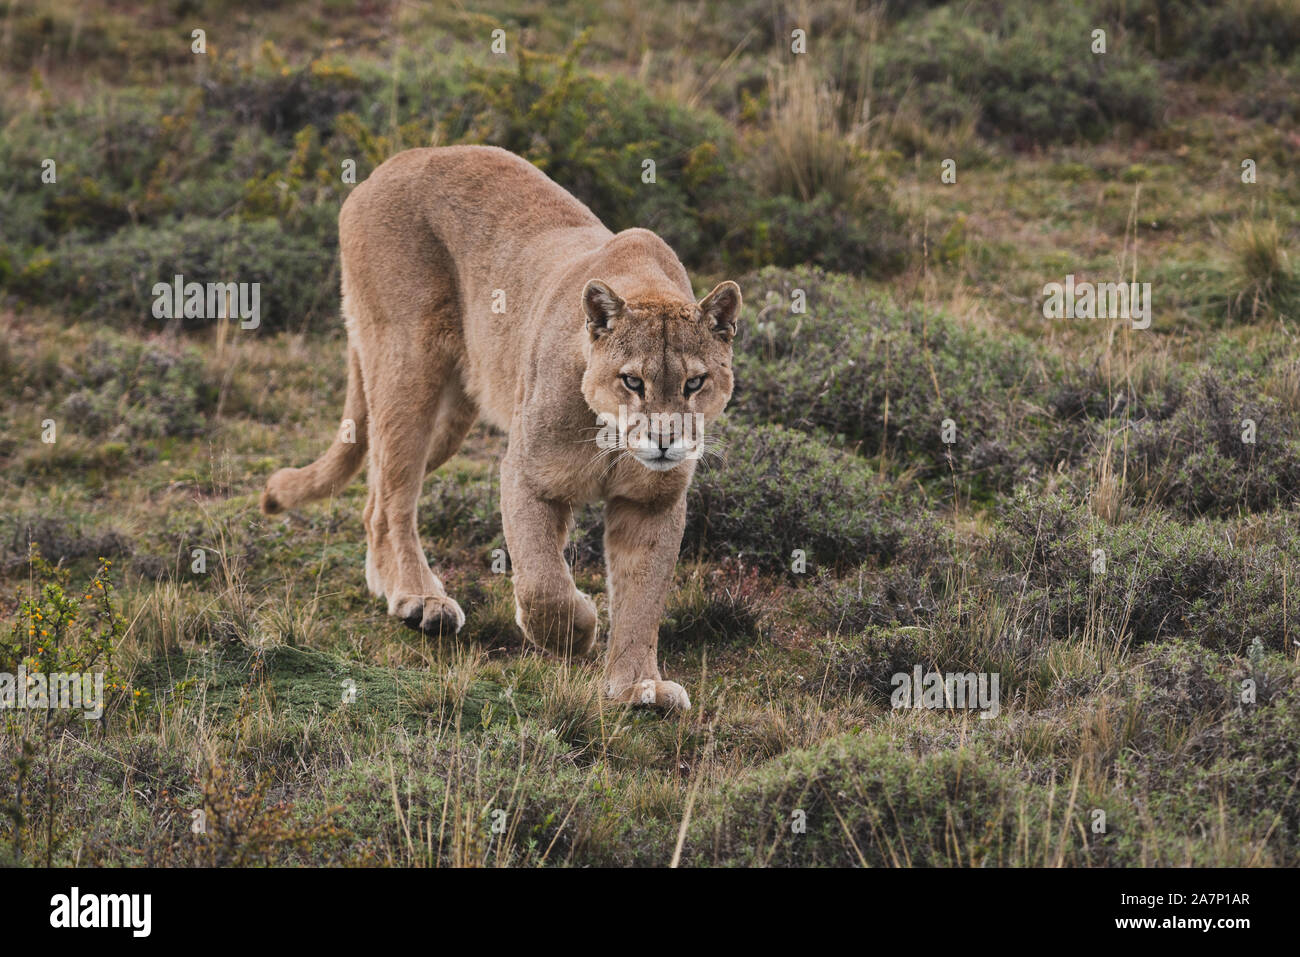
269 504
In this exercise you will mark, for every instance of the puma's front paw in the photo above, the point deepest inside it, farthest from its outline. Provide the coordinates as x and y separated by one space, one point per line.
654 693
432 614
566 626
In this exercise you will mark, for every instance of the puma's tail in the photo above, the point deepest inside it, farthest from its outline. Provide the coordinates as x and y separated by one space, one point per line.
330 473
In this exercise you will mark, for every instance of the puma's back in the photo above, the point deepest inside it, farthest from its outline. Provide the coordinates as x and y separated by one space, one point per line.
480 229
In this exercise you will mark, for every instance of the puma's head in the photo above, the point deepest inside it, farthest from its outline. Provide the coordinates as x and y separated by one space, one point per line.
658 369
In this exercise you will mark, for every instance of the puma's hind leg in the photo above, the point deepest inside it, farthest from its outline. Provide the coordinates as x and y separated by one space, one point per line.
419 415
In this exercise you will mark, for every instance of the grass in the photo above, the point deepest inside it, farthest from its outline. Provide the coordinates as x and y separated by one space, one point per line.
1095 529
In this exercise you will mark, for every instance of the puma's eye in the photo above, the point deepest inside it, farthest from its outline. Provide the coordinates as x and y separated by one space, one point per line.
633 383
694 384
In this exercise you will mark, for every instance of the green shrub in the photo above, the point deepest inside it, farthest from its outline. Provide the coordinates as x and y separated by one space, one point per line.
884 379
1030 66
285 101
901 594
114 279
44 35
55 627
867 801
865 662
1197 461
777 490
1199 750
593 135
461 508
129 161
1162 579
61 542
711 608
115 389
115 160
1264 282
823 233
450 789
133 390
1204 36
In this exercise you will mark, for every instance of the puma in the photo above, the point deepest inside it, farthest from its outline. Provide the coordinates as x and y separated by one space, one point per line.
475 287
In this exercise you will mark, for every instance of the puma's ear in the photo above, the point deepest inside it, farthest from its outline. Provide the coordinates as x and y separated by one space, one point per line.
602 306
721 309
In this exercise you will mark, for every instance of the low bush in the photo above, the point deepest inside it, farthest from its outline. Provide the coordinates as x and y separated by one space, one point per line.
1225 447
883 380
1204 37
1149 578
297 275
777 490
1032 86
863 800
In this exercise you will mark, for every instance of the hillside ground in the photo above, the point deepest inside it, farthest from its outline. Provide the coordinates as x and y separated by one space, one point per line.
1113 529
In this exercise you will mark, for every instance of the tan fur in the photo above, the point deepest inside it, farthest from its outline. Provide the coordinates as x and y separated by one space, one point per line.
427 242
